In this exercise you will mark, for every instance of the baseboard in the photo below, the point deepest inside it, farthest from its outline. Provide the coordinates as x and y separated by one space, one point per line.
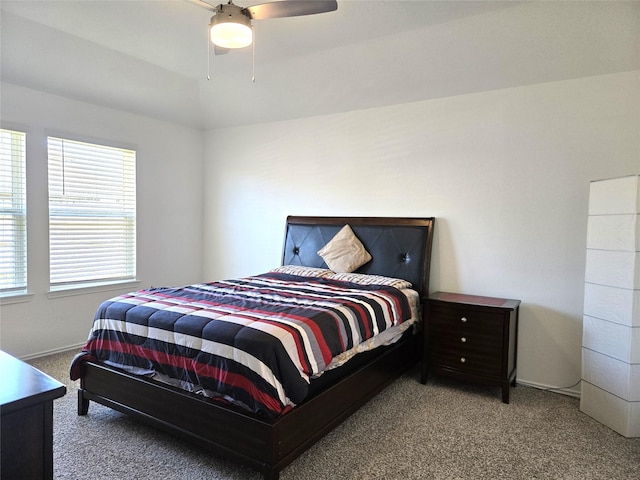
55 351
569 391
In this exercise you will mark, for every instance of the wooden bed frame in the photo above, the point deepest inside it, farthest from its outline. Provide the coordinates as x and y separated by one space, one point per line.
400 247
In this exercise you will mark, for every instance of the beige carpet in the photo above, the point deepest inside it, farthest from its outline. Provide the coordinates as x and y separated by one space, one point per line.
444 430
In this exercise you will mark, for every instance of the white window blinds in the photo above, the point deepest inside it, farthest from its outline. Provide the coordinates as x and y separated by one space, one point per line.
92 213
13 212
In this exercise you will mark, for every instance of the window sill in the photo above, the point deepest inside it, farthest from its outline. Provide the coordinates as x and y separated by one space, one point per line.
21 297
85 289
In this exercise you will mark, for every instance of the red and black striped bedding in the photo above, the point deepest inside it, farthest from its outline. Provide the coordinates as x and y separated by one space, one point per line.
254 341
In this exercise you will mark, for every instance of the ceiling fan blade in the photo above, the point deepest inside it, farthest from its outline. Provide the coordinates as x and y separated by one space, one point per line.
209 5
290 8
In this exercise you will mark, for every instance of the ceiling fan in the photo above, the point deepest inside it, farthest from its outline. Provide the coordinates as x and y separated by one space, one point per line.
230 26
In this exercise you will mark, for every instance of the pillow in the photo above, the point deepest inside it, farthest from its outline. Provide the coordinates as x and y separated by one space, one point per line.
363 279
344 253
302 271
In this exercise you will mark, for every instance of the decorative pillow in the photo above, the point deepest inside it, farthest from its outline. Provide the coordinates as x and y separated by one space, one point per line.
363 279
344 253
302 271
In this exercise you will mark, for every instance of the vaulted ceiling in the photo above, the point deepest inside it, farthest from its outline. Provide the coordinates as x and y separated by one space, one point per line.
151 57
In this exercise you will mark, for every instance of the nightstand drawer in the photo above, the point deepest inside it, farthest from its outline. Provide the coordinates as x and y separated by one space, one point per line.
458 321
468 362
489 348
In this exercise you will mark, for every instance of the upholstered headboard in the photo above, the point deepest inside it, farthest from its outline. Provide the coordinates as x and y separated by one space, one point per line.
399 247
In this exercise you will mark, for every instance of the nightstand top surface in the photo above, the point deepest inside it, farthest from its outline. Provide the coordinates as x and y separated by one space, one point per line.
474 300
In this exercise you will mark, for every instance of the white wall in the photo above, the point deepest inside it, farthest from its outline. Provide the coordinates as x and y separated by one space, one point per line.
505 172
169 212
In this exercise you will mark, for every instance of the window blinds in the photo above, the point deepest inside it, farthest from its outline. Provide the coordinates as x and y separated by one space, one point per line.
13 212
92 213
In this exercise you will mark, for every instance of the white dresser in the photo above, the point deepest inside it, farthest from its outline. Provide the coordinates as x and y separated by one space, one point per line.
611 326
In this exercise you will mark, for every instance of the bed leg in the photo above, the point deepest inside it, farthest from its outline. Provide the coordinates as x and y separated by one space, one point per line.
83 403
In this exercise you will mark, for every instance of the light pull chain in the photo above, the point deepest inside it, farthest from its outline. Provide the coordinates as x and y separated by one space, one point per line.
208 56
253 58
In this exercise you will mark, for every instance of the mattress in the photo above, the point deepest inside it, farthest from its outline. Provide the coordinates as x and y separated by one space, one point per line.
255 342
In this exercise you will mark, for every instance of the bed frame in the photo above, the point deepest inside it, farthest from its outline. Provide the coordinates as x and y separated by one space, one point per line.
400 247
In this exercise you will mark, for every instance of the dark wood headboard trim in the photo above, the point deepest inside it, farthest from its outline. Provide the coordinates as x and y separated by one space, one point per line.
400 246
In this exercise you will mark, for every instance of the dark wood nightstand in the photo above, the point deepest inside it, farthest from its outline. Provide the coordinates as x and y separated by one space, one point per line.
471 338
26 405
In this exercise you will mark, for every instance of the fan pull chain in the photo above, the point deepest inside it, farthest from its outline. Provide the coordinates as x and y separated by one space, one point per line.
208 56
253 58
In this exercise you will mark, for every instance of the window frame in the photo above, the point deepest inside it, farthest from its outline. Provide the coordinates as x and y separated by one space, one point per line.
92 168
16 198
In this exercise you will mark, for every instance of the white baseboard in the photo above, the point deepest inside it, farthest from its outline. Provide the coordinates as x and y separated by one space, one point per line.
55 351
571 391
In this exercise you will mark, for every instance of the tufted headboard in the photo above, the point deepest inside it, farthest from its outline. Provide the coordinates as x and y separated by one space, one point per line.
399 247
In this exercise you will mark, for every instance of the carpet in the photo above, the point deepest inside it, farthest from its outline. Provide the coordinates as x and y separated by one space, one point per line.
443 430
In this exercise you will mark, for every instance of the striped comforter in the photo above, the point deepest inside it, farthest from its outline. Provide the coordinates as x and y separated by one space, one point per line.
254 341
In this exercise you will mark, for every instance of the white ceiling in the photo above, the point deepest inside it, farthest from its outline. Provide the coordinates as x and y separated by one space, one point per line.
150 57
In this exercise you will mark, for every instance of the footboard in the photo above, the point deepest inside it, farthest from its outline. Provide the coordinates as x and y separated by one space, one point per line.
267 446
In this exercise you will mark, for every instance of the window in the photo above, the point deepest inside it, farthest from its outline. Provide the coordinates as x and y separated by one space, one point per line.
92 213
13 213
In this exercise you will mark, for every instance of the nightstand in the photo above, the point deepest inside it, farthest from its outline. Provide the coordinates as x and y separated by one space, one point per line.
471 338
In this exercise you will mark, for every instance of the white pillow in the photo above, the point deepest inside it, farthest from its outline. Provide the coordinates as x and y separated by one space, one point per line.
302 271
344 253
363 279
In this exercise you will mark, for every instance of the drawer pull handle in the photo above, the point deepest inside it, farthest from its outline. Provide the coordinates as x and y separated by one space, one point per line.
463 339
462 360
463 319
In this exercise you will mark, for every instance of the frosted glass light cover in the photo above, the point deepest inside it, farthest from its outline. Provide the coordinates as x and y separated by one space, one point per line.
231 35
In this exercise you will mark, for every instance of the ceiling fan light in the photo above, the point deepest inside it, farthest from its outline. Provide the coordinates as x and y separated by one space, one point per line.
231 31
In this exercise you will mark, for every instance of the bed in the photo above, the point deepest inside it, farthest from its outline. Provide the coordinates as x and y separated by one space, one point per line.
270 439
